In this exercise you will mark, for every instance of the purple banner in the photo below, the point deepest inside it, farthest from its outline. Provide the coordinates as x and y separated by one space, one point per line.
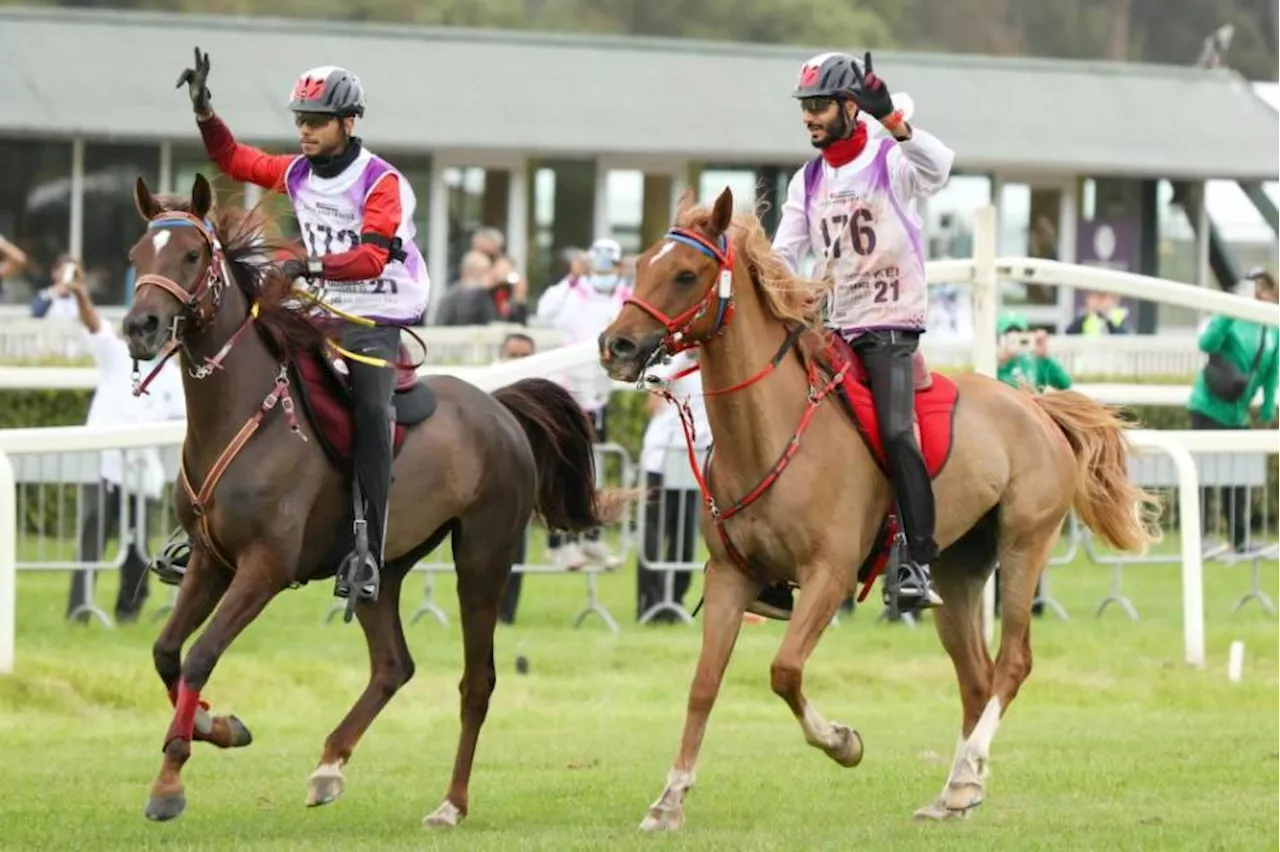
1110 244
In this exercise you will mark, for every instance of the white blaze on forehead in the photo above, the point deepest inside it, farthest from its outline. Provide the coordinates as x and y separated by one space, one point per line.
161 239
665 250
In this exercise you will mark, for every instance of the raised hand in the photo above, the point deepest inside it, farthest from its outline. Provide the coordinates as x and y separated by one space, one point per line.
196 78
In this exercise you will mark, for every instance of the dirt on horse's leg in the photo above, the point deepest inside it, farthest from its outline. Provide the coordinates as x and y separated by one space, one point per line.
253 586
483 566
726 594
959 625
390 667
820 597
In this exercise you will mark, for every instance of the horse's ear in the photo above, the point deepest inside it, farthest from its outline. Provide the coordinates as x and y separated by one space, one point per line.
201 197
722 213
144 202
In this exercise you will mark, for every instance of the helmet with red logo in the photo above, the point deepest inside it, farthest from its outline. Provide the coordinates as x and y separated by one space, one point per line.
828 75
330 90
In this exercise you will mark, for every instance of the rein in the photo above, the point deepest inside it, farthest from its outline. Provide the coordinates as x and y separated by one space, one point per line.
678 339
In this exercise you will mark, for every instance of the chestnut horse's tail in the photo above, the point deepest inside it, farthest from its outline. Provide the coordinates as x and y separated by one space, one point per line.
1106 499
561 437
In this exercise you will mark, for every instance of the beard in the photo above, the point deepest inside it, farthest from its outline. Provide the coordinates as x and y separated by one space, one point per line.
832 131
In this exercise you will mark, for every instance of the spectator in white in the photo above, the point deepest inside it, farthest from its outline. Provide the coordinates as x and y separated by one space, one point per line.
12 260
581 309
123 474
57 300
672 498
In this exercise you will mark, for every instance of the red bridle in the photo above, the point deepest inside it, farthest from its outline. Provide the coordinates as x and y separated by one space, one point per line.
720 294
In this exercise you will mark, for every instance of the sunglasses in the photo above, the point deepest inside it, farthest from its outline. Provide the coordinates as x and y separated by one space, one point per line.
313 120
816 105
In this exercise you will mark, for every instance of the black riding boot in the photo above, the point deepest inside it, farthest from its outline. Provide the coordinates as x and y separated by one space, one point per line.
372 388
888 359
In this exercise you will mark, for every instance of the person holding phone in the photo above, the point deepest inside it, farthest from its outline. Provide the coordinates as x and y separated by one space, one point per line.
1024 357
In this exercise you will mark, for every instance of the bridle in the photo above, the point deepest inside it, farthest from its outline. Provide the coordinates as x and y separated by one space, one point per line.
199 305
720 294
678 339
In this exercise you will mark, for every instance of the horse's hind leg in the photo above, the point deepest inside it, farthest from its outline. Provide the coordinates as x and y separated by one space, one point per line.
728 592
253 586
1022 555
819 600
390 667
483 557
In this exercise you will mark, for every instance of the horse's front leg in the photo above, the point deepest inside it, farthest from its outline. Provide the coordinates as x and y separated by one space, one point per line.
202 588
819 600
727 593
254 585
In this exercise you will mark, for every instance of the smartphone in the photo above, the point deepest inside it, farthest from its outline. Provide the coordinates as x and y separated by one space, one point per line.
68 273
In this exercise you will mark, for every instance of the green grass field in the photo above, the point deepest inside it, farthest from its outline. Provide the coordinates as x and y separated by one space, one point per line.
1113 743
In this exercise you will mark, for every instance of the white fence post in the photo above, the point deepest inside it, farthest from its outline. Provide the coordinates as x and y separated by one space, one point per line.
8 565
986 306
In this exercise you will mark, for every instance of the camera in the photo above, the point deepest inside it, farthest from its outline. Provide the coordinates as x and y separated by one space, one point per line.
1021 342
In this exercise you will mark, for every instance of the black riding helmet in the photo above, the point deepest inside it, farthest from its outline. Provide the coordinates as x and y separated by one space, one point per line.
828 75
329 90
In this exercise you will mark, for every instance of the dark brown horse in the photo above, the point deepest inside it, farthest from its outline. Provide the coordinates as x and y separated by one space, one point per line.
268 510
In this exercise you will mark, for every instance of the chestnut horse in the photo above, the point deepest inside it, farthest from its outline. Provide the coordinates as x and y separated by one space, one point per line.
268 510
1017 465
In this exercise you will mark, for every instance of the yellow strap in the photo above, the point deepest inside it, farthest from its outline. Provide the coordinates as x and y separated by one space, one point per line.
371 360
315 300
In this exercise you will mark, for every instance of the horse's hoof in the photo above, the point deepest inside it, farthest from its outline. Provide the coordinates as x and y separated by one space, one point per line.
325 785
960 798
165 808
240 736
447 815
663 819
937 811
848 752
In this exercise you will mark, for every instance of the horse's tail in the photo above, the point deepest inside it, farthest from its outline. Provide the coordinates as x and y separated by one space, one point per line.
1106 499
561 437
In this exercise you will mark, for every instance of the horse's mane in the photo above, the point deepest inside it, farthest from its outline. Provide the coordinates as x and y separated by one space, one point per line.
787 298
254 247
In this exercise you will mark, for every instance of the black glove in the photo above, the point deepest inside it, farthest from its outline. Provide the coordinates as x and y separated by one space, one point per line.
874 95
295 268
195 78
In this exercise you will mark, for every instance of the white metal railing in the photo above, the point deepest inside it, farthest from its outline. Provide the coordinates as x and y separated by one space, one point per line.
982 273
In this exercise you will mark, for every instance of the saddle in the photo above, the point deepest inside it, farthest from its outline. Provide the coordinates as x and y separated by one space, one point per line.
323 381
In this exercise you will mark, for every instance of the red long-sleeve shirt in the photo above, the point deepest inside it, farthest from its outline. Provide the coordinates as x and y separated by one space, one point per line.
381 215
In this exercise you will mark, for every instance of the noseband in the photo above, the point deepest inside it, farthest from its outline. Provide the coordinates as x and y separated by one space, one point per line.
719 294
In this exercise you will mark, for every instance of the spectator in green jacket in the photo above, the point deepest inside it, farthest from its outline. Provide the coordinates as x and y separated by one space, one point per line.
1243 361
1024 356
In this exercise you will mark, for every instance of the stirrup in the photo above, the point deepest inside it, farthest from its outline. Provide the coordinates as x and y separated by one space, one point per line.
918 593
358 571
170 565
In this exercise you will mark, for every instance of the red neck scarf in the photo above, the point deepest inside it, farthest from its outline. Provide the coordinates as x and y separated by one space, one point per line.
842 151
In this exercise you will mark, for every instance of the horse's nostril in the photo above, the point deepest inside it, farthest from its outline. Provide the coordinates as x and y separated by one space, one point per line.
623 347
145 324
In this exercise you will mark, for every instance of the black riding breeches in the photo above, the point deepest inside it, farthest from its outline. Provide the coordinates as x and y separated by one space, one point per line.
887 356
372 388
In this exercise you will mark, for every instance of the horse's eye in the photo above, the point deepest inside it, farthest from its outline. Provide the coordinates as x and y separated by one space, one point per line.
687 278
193 255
